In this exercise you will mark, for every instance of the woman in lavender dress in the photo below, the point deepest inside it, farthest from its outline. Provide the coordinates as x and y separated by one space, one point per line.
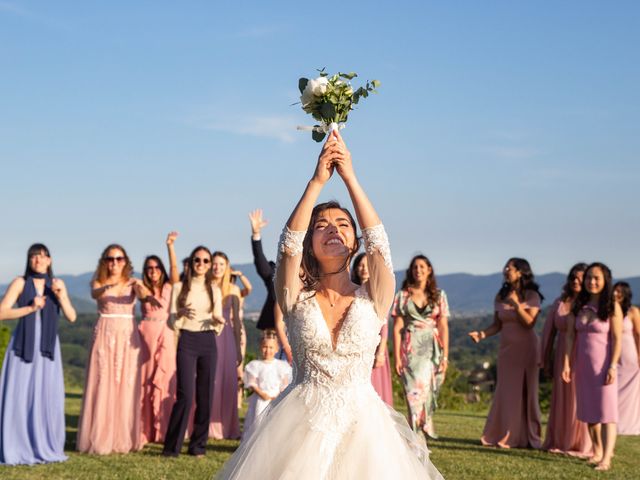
32 426
596 324
629 364
565 433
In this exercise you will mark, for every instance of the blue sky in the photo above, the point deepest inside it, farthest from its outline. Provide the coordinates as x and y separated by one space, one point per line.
501 128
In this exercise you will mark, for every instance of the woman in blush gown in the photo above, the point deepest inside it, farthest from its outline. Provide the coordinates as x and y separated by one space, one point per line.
565 433
158 372
596 325
629 364
514 417
381 373
225 421
31 384
110 414
330 423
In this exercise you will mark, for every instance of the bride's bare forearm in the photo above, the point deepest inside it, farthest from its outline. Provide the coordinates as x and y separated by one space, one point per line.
366 214
301 215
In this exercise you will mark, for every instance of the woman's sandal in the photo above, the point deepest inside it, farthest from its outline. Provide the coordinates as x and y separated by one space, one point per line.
603 466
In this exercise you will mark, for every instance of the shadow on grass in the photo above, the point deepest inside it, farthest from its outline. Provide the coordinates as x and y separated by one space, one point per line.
472 445
73 395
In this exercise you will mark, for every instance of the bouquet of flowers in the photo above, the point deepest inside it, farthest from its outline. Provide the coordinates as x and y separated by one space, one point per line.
329 99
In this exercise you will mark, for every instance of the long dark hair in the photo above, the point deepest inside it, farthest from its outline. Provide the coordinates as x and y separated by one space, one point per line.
164 278
310 268
355 276
567 293
527 280
36 249
188 275
605 300
101 271
625 292
431 288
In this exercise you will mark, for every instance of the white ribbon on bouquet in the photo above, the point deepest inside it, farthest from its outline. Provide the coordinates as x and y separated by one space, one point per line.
323 127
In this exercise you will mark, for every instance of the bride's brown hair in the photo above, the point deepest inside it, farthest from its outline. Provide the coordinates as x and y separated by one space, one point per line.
310 274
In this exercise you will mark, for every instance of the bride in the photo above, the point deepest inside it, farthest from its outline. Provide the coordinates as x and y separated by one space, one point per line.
330 423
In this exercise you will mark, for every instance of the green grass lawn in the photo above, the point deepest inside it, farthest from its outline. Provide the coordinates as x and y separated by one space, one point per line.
457 454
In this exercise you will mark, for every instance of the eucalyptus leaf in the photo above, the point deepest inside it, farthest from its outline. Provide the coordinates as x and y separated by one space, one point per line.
302 84
327 110
318 136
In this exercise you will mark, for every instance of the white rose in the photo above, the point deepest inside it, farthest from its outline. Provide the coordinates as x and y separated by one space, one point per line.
319 86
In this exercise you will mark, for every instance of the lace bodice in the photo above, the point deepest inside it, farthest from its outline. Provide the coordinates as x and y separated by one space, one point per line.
334 382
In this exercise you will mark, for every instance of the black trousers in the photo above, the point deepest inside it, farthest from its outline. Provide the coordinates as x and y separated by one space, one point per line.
195 369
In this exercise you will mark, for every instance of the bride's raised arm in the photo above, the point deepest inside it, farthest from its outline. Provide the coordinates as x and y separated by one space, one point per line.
287 278
382 282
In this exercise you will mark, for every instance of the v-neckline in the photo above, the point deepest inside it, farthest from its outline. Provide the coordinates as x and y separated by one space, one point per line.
334 348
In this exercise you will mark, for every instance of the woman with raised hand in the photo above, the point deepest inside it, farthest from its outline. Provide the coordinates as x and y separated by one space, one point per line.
32 428
158 372
270 315
565 433
225 421
381 373
514 418
595 324
196 308
629 364
110 414
421 341
330 423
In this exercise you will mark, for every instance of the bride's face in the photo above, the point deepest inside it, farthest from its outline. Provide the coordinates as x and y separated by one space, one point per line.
333 235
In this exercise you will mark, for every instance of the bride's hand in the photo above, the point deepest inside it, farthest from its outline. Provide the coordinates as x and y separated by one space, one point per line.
325 167
342 158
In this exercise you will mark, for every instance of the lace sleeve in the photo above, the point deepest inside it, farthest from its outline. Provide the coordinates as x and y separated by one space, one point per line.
287 277
382 282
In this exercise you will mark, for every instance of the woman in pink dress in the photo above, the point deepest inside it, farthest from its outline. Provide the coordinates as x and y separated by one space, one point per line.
381 373
596 325
110 414
629 364
225 421
565 433
514 418
158 371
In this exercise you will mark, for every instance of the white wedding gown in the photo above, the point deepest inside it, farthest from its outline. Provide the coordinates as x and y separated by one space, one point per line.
330 423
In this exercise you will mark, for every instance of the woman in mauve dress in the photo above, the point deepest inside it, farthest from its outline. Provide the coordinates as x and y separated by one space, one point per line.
381 372
629 364
225 421
110 414
31 384
596 326
514 418
158 371
565 433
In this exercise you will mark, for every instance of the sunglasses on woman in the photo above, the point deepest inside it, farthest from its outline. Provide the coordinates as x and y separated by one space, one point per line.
198 260
115 259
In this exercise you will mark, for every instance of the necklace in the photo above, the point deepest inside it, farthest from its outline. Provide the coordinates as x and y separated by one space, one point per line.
331 303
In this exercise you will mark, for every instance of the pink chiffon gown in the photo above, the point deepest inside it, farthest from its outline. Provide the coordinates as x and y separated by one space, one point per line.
381 376
514 417
597 402
110 414
565 433
628 383
158 371
225 422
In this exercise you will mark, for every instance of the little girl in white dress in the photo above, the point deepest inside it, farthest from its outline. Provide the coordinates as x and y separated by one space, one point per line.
266 378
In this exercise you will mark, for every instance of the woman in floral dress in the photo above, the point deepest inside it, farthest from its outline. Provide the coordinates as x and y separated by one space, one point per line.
421 341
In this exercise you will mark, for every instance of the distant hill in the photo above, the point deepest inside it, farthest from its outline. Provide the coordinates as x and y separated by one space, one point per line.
467 293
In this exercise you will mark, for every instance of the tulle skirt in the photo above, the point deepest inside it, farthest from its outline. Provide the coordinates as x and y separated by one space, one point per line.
292 440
